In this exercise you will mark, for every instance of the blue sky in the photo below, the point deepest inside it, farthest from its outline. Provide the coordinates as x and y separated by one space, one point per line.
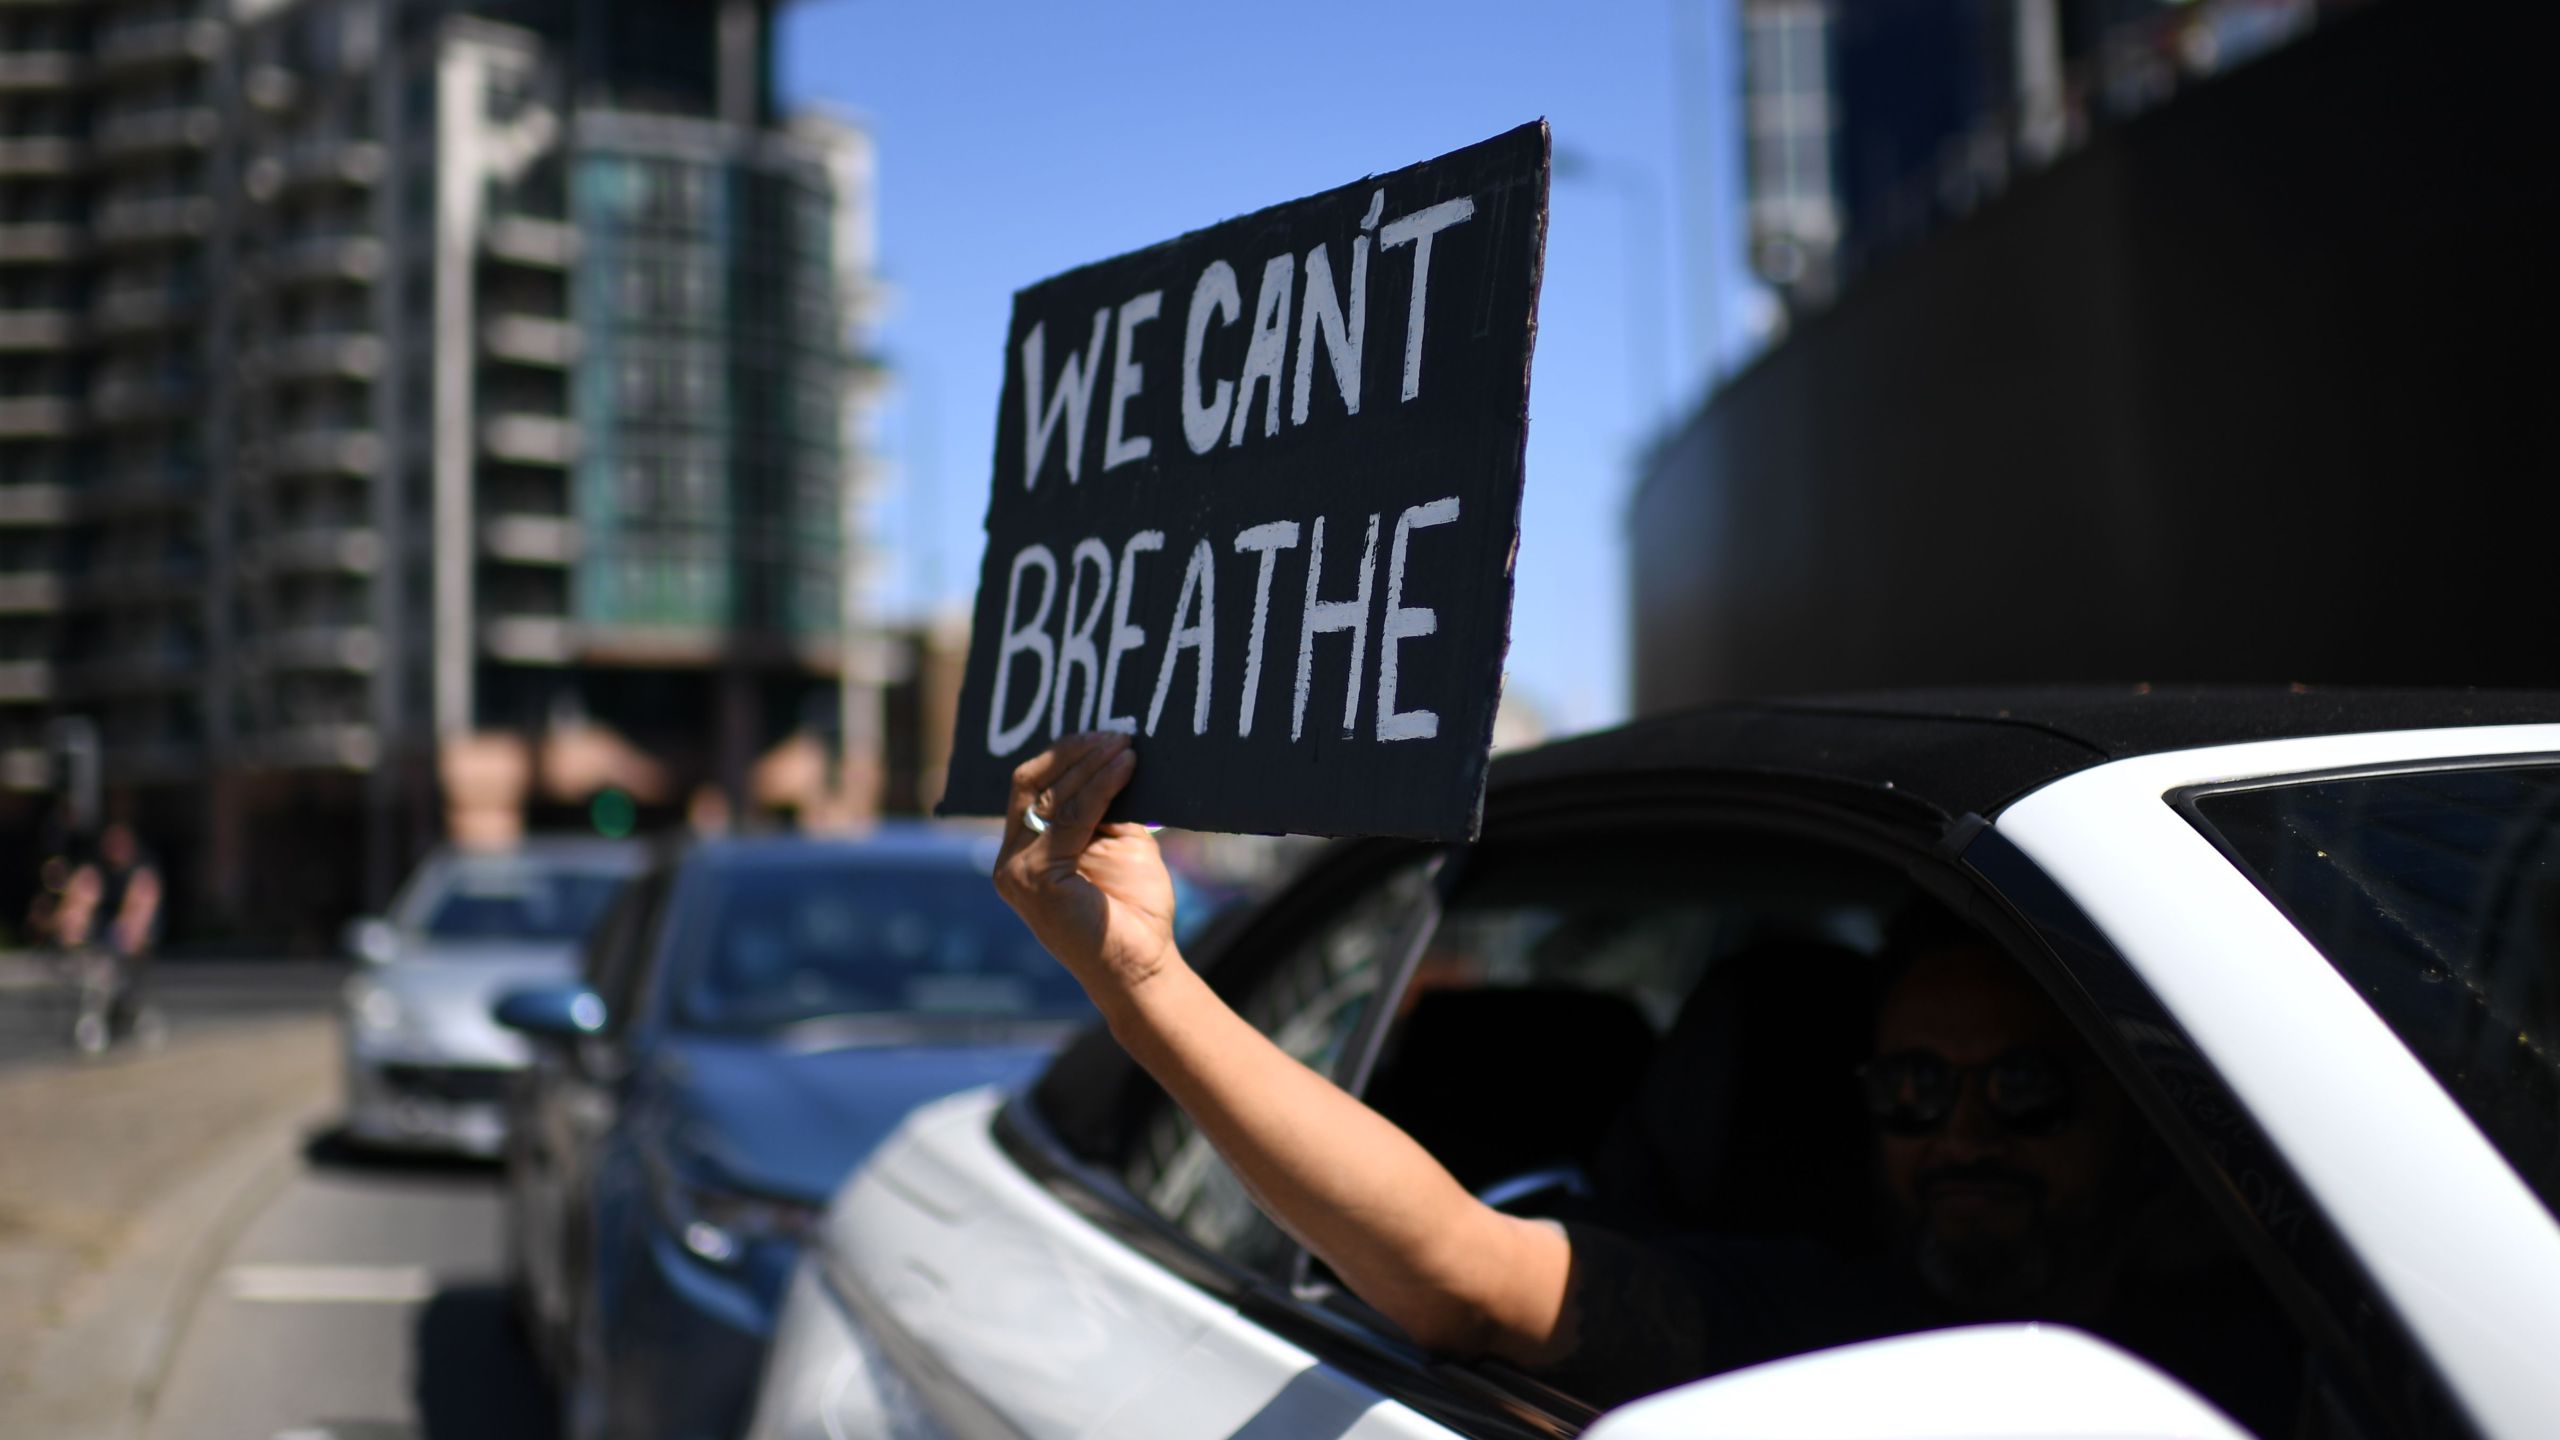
1019 140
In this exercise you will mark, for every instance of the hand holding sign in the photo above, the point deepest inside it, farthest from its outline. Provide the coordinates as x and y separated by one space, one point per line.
1097 894
1336 446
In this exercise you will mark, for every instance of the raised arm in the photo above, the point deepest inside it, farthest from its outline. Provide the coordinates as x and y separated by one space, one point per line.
1459 1276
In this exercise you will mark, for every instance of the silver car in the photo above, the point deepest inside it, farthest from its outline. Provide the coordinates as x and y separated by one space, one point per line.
427 1069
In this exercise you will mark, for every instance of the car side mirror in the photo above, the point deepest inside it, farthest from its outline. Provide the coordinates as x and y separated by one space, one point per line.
372 939
553 1012
1988 1382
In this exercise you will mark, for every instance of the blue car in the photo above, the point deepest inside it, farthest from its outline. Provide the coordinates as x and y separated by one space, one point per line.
754 1016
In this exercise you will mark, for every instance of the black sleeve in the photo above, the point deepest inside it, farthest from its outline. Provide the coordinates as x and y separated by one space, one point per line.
1651 1313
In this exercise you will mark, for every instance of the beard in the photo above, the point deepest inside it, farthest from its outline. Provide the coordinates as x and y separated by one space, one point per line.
1985 1276
1992 1248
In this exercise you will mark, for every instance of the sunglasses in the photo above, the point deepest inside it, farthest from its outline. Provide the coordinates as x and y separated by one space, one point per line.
1913 1092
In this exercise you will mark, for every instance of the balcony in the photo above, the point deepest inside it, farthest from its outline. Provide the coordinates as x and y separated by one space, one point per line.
122 399
530 539
139 581
326 258
321 549
353 356
341 647
39 155
38 330
341 746
529 340
161 220
523 240
26 768
141 310
141 492
28 242
30 592
144 672
26 680
329 162
37 417
32 72
530 639
530 439
37 504
135 47
324 451
127 136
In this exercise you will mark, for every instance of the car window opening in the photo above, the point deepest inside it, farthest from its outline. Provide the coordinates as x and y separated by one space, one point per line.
1725 1091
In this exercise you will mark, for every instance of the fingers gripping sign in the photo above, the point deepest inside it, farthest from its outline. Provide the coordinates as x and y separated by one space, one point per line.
1097 895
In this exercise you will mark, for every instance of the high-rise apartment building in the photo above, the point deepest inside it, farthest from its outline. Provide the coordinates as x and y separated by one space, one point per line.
1868 123
418 417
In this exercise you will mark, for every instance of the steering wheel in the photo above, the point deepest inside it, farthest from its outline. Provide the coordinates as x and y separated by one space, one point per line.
1512 1193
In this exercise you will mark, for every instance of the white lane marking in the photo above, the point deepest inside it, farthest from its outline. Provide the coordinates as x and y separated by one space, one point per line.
331 1284
306 1435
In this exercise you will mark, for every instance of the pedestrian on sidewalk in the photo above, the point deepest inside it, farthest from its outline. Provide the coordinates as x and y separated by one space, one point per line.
109 921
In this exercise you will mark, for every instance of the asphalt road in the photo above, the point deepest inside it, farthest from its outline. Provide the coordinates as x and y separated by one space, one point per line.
191 995
365 1302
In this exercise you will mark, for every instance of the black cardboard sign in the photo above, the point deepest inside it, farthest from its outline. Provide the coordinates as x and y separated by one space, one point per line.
1257 495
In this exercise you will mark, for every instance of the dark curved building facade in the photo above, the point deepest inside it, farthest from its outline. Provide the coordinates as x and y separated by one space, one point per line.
2241 388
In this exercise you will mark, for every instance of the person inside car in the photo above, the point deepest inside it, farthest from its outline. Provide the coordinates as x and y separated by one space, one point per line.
2016 1179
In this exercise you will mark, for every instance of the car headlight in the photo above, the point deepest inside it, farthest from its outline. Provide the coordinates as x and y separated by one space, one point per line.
374 1010
718 1223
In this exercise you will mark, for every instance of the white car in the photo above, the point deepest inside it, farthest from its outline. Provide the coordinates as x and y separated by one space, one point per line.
2314 938
427 1068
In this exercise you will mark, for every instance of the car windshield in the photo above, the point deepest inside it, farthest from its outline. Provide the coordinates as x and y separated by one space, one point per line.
503 900
2437 894
780 945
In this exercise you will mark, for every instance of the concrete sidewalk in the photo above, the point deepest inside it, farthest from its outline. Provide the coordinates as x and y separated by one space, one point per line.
121 1182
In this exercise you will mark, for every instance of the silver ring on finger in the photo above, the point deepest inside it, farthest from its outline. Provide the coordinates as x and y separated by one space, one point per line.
1034 821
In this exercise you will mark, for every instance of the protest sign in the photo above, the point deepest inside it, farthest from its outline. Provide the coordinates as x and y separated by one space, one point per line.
1256 499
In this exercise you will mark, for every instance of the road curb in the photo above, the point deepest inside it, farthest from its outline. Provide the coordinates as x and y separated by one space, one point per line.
99 1373
278 1158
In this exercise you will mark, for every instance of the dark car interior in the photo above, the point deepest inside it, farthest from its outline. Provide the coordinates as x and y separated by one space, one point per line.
1662 1033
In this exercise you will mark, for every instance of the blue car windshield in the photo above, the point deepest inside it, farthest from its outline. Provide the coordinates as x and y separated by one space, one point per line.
506 901
777 946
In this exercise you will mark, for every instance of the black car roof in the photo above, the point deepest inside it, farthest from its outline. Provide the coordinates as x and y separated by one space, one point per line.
1974 750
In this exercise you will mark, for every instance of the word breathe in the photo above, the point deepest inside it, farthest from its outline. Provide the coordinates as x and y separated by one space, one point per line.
1220 411
1079 668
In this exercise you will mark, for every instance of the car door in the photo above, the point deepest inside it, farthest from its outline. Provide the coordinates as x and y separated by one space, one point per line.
571 1091
1591 918
995 1306
2333 957
1590 926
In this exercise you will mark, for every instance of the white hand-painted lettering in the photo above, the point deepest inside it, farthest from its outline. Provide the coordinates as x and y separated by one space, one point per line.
1125 637
1321 318
1075 645
1127 378
1199 578
1268 540
1406 622
1417 229
1214 300
1071 400
1021 636
1327 617
1269 347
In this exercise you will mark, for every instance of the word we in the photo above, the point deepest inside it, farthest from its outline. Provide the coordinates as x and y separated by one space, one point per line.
1220 410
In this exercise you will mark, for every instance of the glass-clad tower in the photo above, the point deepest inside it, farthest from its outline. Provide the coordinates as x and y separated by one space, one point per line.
418 418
